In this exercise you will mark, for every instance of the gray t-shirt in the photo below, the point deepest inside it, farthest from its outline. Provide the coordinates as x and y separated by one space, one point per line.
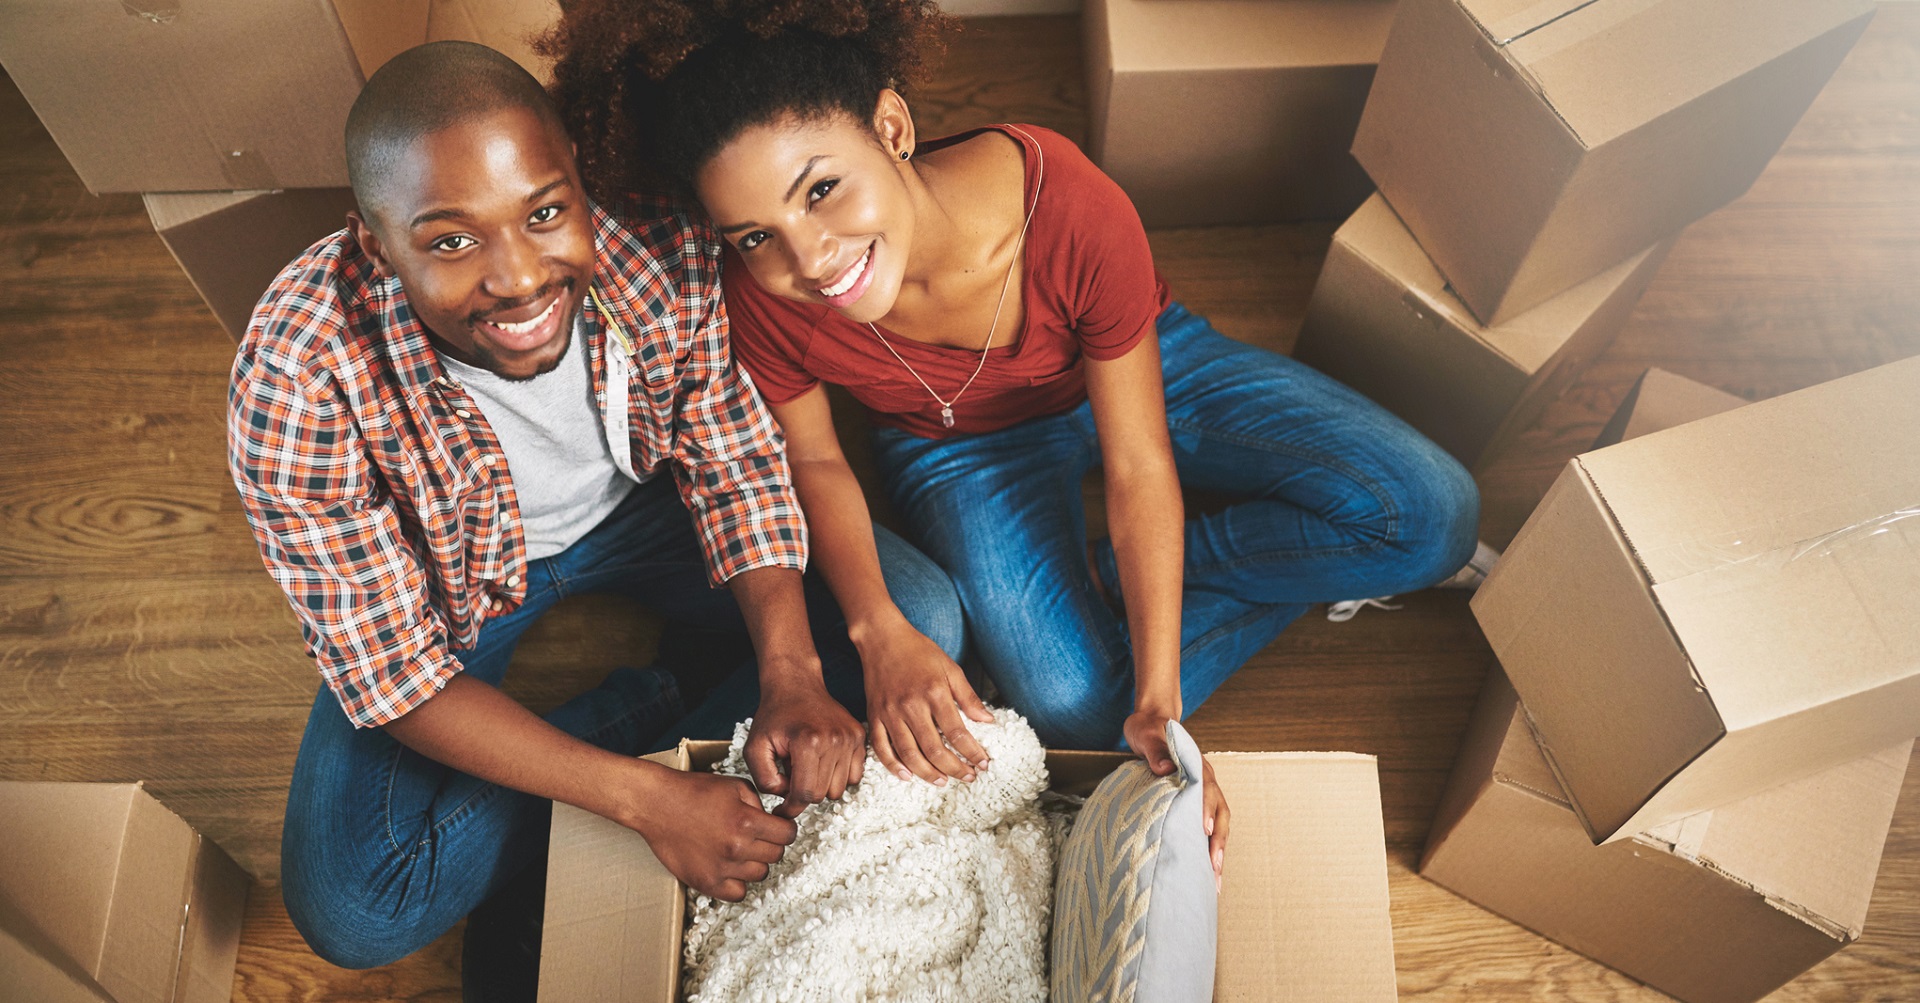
557 451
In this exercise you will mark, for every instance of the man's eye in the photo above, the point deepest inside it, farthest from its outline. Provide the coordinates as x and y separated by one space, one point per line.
457 242
819 191
753 240
545 214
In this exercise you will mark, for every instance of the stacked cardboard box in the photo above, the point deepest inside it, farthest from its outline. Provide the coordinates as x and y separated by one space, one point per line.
1710 627
1231 111
108 897
1531 149
230 96
1304 915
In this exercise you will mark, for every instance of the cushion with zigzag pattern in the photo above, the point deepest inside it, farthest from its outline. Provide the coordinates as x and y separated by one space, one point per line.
1135 909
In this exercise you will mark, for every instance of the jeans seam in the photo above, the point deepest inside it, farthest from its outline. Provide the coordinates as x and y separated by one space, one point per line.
1384 500
1231 627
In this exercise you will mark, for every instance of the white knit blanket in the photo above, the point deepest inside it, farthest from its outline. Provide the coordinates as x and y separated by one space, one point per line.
902 891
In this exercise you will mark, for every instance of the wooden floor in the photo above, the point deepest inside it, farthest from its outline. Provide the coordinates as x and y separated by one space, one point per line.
140 639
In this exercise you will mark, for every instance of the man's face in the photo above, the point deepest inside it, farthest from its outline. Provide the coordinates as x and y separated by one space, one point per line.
486 226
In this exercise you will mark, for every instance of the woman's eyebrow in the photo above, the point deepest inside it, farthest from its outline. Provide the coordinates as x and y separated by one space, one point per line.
802 179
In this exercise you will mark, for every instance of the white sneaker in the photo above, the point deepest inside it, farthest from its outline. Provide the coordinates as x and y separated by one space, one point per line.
1346 609
1470 577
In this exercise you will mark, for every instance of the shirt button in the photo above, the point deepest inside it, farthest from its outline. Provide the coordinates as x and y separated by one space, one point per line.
464 413
488 460
513 581
497 604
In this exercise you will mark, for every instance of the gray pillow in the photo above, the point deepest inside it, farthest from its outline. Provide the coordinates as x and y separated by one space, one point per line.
1135 910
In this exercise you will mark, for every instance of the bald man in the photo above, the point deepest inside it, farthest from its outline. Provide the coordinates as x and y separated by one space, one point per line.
457 411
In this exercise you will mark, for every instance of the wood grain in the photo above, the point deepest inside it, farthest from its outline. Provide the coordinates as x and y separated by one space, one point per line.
139 638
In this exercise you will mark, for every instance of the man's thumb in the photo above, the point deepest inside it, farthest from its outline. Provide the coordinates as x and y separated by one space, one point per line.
763 765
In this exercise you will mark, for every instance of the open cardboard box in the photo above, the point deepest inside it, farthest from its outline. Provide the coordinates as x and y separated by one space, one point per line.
1711 610
1721 907
1231 111
108 897
165 96
1533 145
1303 915
1383 321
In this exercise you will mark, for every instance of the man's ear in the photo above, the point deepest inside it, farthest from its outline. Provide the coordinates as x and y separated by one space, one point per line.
370 243
893 124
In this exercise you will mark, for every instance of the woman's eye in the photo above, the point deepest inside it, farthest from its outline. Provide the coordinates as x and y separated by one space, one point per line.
457 242
753 240
819 191
545 214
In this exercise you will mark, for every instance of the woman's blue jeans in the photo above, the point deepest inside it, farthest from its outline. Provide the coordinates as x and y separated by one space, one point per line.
1342 500
385 849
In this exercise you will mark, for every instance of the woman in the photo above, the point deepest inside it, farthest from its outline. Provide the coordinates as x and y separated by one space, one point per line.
991 299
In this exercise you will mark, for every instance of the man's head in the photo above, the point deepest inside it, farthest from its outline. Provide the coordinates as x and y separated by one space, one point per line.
469 194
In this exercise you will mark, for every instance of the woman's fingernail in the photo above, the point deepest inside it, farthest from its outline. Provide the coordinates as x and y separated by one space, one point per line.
968 778
942 782
904 775
1209 825
984 763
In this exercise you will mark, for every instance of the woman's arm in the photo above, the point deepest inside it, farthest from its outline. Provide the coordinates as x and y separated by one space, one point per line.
1147 521
912 686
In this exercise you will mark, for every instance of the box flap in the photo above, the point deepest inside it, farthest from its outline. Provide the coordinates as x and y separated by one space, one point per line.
33 968
613 912
1607 66
508 26
1812 847
140 959
1304 910
1660 399
200 100
63 844
1783 539
379 30
1527 341
1586 658
169 211
1147 35
216 912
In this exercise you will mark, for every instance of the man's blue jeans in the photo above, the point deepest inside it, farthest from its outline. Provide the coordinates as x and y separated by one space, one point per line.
1342 501
385 849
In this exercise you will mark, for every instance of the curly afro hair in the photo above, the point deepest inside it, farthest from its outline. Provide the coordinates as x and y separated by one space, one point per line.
651 89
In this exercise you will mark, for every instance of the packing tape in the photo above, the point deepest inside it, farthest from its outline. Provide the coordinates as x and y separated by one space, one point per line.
148 10
247 170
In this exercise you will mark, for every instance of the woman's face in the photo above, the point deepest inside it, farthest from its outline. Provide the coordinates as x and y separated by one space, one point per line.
819 210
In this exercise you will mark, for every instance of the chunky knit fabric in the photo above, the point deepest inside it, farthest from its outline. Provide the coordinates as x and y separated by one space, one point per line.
902 891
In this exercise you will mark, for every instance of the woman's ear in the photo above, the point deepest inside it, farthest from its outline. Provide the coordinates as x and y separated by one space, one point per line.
893 124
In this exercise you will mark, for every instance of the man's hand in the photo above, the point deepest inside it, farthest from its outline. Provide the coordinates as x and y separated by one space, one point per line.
711 832
1146 732
824 748
915 695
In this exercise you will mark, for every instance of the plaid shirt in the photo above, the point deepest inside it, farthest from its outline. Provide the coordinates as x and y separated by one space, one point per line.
381 499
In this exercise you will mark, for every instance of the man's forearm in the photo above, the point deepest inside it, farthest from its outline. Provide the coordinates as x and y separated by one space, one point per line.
775 607
482 732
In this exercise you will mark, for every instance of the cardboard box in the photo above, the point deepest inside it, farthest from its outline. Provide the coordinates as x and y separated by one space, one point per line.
160 96
1720 907
1231 111
1383 321
1711 610
233 244
1303 915
1531 146
1660 399
106 895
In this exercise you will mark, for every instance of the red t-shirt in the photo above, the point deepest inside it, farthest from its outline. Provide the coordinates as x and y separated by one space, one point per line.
1088 283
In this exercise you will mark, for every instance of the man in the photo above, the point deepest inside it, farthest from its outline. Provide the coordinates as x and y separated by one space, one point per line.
447 417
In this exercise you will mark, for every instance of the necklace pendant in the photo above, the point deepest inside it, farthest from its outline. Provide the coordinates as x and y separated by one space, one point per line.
946 417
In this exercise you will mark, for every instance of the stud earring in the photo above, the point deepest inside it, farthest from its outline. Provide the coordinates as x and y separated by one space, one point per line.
904 154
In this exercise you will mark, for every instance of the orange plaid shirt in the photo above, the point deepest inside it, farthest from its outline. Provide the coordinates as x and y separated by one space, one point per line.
380 497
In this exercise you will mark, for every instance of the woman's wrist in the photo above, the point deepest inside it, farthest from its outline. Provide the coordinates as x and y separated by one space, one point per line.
868 626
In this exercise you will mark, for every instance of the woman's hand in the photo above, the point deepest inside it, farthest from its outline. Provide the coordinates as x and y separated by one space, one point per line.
915 696
1146 732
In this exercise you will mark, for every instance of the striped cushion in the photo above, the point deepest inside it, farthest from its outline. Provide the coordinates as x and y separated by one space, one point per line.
1134 900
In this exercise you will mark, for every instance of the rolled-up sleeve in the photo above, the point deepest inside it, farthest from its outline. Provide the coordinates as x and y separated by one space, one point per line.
332 540
731 459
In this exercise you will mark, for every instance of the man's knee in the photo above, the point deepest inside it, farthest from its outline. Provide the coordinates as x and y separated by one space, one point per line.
346 932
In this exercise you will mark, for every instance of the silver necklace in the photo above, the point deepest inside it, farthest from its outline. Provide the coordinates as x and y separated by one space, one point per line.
946 406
